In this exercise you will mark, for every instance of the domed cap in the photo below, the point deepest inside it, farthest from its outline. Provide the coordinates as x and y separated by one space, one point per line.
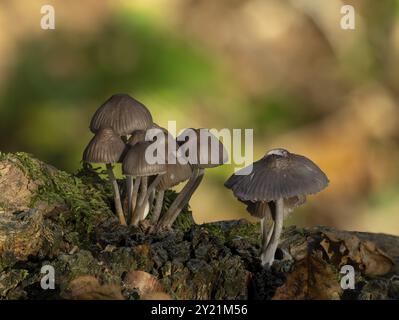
105 147
123 114
135 163
175 174
279 174
210 150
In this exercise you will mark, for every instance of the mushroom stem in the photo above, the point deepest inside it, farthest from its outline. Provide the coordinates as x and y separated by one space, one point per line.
139 212
151 199
117 197
267 255
135 191
182 199
266 233
158 206
129 187
143 190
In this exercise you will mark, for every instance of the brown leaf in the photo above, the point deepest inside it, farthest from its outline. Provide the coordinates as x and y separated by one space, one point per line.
375 261
344 248
89 288
312 279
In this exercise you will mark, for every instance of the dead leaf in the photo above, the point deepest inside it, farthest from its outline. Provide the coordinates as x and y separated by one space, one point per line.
89 288
343 248
312 279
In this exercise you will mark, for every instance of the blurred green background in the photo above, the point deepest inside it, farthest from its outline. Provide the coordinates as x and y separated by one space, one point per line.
284 68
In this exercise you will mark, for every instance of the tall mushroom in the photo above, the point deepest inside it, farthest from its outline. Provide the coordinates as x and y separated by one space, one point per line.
106 147
277 183
123 114
135 163
201 149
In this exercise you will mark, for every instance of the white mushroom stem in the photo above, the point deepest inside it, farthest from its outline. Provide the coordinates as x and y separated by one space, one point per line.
181 200
129 187
117 197
143 190
139 213
267 256
266 232
158 206
133 200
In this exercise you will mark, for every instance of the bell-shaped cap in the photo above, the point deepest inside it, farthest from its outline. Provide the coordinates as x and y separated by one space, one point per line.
175 174
279 174
201 148
138 163
123 114
105 147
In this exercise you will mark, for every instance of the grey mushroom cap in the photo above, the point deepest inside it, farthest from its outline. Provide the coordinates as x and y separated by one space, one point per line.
105 147
135 163
279 174
123 114
175 174
205 142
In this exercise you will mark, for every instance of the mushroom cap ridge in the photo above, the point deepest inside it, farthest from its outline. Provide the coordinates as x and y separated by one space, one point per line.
123 114
105 147
279 174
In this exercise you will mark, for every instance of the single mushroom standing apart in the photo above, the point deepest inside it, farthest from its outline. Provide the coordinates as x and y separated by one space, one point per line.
201 149
124 115
277 183
136 164
106 147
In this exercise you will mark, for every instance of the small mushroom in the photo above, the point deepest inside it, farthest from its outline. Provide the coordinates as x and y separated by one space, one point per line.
123 114
136 164
175 174
278 182
106 147
201 149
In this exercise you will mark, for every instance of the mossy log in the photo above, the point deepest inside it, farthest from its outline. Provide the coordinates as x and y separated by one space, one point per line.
50 217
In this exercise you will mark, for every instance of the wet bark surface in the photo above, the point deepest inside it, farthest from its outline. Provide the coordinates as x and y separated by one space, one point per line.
52 218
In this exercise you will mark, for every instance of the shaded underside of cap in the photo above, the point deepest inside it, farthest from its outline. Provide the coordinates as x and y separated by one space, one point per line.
105 147
263 209
210 151
274 177
135 162
123 114
175 174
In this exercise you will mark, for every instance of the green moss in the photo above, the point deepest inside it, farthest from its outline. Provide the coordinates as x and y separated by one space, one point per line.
227 231
85 194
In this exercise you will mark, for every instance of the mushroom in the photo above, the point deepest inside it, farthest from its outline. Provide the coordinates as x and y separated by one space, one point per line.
276 184
133 188
123 114
136 164
175 174
106 147
201 149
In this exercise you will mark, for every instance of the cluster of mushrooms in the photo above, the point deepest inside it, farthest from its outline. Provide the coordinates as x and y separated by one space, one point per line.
125 133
